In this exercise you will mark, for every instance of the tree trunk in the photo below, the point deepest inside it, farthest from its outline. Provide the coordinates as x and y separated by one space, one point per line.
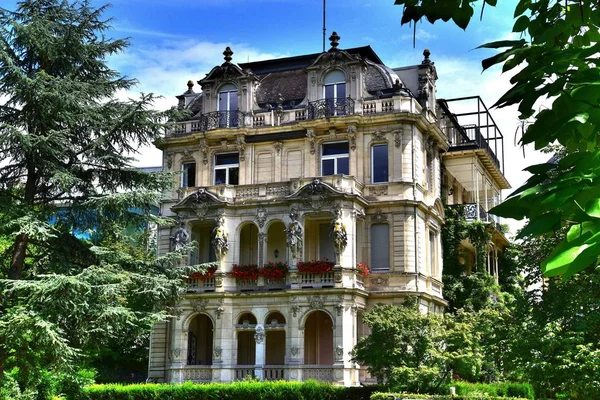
18 258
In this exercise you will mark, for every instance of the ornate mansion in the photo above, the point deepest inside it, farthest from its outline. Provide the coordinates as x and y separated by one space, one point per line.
295 175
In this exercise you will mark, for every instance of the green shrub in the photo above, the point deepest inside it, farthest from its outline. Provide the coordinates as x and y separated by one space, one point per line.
244 390
499 389
408 396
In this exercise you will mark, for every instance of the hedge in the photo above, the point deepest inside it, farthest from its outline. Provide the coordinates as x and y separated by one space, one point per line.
499 389
226 391
407 396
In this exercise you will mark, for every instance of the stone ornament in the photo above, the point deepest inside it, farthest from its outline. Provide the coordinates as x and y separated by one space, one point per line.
295 351
220 242
295 310
261 216
259 335
217 352
294 235
339 351
199 305
180 238
338 233
316 302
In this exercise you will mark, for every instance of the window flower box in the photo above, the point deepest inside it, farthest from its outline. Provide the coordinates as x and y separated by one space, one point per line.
208 273
245 272
316 266
274 270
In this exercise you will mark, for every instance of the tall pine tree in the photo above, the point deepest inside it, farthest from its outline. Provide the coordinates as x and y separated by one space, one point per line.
65 167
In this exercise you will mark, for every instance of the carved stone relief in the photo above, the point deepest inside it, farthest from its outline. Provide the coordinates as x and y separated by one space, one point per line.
316 302
310 134
379 216
261 216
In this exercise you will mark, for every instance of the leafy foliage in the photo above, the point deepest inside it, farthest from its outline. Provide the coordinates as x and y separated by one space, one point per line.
556 59
231 391
65 172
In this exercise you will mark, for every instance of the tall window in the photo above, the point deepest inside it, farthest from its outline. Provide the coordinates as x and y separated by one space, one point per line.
188 174
429 170
335 92
335 159
432 253
379 163
227 167
228 106
380 247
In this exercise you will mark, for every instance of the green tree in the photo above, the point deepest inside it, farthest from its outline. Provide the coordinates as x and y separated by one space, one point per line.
404 348
556 58
65 166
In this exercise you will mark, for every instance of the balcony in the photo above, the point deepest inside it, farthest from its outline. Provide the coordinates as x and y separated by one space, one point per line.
469 125
206 374
325 108
476 212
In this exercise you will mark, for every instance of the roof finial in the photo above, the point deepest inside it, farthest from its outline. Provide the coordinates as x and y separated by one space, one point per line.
228 53
190 84
426 54
334 38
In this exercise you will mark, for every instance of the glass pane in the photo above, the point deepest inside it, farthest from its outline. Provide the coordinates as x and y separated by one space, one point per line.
380 163
234 176
227 158
220 176
326 250
330 92
343 166
341 91
328 167
222 101
380 247
330 149
233 101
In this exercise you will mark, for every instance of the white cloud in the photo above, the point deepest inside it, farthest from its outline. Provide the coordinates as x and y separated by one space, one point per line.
421 35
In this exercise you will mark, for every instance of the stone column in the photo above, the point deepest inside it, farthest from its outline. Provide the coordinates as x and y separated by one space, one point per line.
259 363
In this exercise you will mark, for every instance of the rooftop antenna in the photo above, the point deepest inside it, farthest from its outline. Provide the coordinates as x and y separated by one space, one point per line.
324 29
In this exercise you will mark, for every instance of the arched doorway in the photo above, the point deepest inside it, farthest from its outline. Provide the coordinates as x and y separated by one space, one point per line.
318 339
249 244
200 341
275 339
246 345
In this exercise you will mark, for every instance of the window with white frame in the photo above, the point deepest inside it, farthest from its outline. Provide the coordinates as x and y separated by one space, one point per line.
335 159
227 167
379 163
433 253
380 247
228 106
334 92
188 174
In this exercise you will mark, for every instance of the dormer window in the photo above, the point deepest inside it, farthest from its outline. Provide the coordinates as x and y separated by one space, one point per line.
334 92
227 106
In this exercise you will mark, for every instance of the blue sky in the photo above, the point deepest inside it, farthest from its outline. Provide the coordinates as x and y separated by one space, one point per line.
173 41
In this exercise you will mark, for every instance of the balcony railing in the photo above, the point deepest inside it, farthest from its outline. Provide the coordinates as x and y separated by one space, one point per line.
201 285
317 372
314 110
326 108
476 212
315 280
197 374
243 371
474 137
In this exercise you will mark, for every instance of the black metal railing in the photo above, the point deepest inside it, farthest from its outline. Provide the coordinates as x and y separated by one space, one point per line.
476 212
221 119
326 108
472 136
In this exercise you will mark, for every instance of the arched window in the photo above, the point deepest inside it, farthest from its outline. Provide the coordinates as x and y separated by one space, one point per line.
334 92
318 339
227 106
200 341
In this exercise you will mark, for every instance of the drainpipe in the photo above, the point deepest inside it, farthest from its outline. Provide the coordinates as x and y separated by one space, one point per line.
414 168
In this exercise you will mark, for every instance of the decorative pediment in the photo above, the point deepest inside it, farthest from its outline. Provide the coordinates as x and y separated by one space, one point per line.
316 188
199 203
227 71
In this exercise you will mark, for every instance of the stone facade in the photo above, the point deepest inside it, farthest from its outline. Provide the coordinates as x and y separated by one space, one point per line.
324 156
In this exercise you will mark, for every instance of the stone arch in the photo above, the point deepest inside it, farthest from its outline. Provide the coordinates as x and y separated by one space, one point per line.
318 338
248 243
200 340
439 208
246 342
276 244
330 71
185 324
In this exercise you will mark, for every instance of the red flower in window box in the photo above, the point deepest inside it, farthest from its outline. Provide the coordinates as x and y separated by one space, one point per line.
208 273
245 272
363 269
316 266
274 270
